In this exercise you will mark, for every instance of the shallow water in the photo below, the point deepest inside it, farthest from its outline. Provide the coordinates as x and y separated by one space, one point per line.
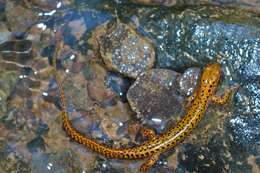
100 103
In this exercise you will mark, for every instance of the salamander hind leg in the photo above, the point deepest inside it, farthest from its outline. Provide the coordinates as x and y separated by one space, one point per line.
225 98
149 133
149 163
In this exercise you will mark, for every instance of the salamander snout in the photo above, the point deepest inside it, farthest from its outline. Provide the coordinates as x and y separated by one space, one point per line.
211 74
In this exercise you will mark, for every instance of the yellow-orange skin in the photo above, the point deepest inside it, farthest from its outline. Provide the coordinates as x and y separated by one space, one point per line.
156 144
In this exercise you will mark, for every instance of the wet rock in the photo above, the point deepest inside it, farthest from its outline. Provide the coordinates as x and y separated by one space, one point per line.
36 144
14 163
156 2
2 10
22 19
5 33
58 162
114 122
154 96
246 132
123 49
219 155
78 28
86 122
196 37
45 4
189 80
86 20
87 71
18 51
118 84
247 4
7 82
42 128
103 165
201 159
96 88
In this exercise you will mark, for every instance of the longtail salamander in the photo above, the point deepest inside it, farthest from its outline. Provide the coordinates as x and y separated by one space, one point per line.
156 144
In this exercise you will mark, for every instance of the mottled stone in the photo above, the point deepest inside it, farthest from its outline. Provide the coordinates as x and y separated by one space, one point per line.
78 28
22 19
246 132
247 4
196 37
156 2
118 84
96 88
243 125
36 144
2 10
56 162
7 82
5 33
123 49
154 96
189 81
45 4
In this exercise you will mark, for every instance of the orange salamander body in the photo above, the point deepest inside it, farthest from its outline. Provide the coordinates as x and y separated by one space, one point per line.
156 144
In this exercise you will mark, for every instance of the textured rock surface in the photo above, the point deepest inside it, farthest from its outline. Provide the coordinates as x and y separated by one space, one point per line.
189 81
22 19
247 4
153 96
124 50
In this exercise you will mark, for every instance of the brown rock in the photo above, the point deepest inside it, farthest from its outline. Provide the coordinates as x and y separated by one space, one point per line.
124 50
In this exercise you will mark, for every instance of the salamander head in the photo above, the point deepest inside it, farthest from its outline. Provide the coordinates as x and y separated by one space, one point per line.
210 76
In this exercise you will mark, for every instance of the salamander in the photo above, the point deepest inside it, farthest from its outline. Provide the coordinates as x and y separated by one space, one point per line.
155 144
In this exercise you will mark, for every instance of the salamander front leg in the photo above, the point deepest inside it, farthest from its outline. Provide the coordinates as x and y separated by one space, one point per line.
224 98
149 163
149 133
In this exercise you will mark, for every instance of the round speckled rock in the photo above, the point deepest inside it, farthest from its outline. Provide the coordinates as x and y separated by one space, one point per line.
123 50
189 80
154 94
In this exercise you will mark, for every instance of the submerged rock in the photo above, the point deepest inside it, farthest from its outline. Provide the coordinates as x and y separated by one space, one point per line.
145 94
247 4
123 49
18 51
22 19
189 80
55 162
156 2
118 84
5 33
154 96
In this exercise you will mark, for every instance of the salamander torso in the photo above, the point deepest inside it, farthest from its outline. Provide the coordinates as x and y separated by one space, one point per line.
156 144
